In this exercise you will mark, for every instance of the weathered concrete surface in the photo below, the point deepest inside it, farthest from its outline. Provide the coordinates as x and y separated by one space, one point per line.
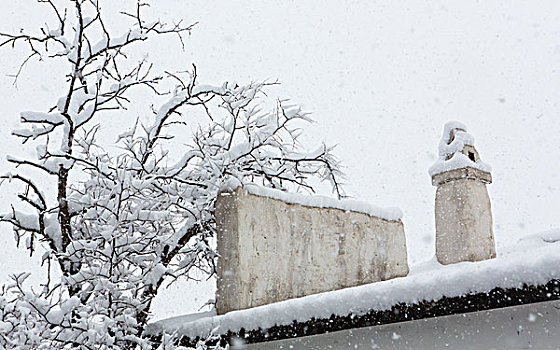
463 173
531 326
272 251
463 217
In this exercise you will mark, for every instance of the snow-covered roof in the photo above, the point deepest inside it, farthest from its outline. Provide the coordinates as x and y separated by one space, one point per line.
534 260
451 151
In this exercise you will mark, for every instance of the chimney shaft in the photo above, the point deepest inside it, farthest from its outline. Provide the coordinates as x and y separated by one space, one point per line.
462 207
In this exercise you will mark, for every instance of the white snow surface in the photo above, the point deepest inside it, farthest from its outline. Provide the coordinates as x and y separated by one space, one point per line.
390 213
458 160
532 260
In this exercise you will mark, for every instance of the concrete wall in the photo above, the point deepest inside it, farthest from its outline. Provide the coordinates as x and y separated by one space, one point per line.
272 251
532 326
463 218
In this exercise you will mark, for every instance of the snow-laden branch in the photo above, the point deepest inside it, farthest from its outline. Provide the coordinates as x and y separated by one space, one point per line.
122 224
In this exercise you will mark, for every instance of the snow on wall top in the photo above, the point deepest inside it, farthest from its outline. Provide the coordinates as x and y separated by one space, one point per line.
532 260
391 213
455 138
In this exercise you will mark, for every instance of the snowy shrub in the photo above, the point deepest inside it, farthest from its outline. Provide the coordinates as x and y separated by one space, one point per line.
120 223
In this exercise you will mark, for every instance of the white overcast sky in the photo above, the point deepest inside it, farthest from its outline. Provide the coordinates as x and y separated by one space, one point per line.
381 78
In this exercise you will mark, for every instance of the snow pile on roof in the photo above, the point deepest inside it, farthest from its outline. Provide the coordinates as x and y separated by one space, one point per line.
534 260
172 322
450 149
391 213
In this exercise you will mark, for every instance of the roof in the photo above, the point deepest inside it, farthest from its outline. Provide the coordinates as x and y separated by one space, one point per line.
526 272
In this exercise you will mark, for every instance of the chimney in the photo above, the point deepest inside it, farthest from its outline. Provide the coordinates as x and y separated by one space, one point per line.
462 209
274 246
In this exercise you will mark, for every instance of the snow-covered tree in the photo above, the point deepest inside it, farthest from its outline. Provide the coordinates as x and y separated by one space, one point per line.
120 223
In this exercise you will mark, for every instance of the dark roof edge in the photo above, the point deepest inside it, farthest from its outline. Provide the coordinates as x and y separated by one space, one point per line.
494 299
